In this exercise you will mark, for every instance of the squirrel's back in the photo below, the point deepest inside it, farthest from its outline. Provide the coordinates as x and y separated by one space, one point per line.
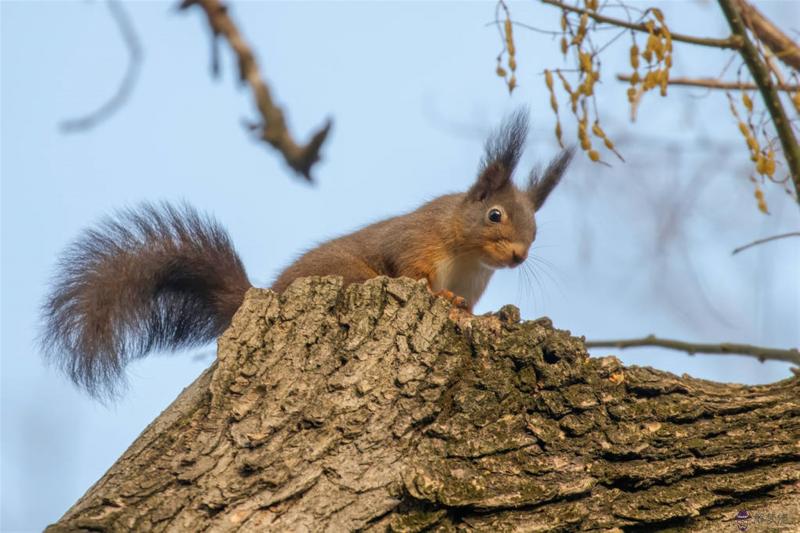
392 247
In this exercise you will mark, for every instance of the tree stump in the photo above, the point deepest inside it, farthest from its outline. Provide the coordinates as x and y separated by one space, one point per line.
378 407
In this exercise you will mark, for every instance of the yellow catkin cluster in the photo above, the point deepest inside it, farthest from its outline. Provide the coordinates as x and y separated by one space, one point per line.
764 159
583 135
511 49
658 55
573 96
588 74
580 34
762 204
564 41
600 134
548 79
796 100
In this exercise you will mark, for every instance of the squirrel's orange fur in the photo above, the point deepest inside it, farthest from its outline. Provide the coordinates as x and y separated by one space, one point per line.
165 277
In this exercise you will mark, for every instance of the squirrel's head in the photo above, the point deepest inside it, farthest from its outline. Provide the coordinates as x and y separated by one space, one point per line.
498 216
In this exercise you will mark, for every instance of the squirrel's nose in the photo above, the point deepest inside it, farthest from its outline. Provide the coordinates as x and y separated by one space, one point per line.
518 257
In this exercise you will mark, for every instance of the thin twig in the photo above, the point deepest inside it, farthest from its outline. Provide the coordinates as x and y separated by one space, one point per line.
273 128
762 78
135 54
791 355
498 22
766 239
732 42
712 83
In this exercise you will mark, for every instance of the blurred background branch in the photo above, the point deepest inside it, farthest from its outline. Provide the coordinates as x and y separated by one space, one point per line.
273 128
791 355
135 55
765 240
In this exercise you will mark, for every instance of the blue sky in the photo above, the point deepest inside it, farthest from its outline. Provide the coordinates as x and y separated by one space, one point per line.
637 248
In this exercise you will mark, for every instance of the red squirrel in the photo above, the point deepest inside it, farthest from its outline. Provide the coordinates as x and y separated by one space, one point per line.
165 277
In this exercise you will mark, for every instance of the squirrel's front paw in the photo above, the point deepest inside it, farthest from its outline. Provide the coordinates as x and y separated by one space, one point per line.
456 300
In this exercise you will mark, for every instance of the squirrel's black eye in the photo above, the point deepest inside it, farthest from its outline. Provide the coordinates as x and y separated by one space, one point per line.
495 215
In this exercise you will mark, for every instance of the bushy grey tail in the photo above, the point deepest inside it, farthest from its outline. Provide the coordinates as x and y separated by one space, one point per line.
153 277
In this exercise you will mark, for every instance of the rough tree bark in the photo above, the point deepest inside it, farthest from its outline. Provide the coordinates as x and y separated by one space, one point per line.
368 408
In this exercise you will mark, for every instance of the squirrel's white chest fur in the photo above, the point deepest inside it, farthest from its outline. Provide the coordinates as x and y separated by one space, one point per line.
466 277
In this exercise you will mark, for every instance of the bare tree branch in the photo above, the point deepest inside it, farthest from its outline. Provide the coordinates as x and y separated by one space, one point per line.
778 42
135 55
791 355
712 83
767 239
733 42
273 127
762 78
395 418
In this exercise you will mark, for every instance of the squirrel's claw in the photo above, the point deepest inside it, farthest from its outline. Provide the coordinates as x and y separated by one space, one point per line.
457 301
460 302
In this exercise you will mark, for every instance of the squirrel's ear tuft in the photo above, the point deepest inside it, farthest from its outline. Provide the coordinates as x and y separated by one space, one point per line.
501 156
541 185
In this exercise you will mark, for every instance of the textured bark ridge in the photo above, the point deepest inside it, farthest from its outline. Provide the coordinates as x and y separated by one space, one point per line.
369 408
